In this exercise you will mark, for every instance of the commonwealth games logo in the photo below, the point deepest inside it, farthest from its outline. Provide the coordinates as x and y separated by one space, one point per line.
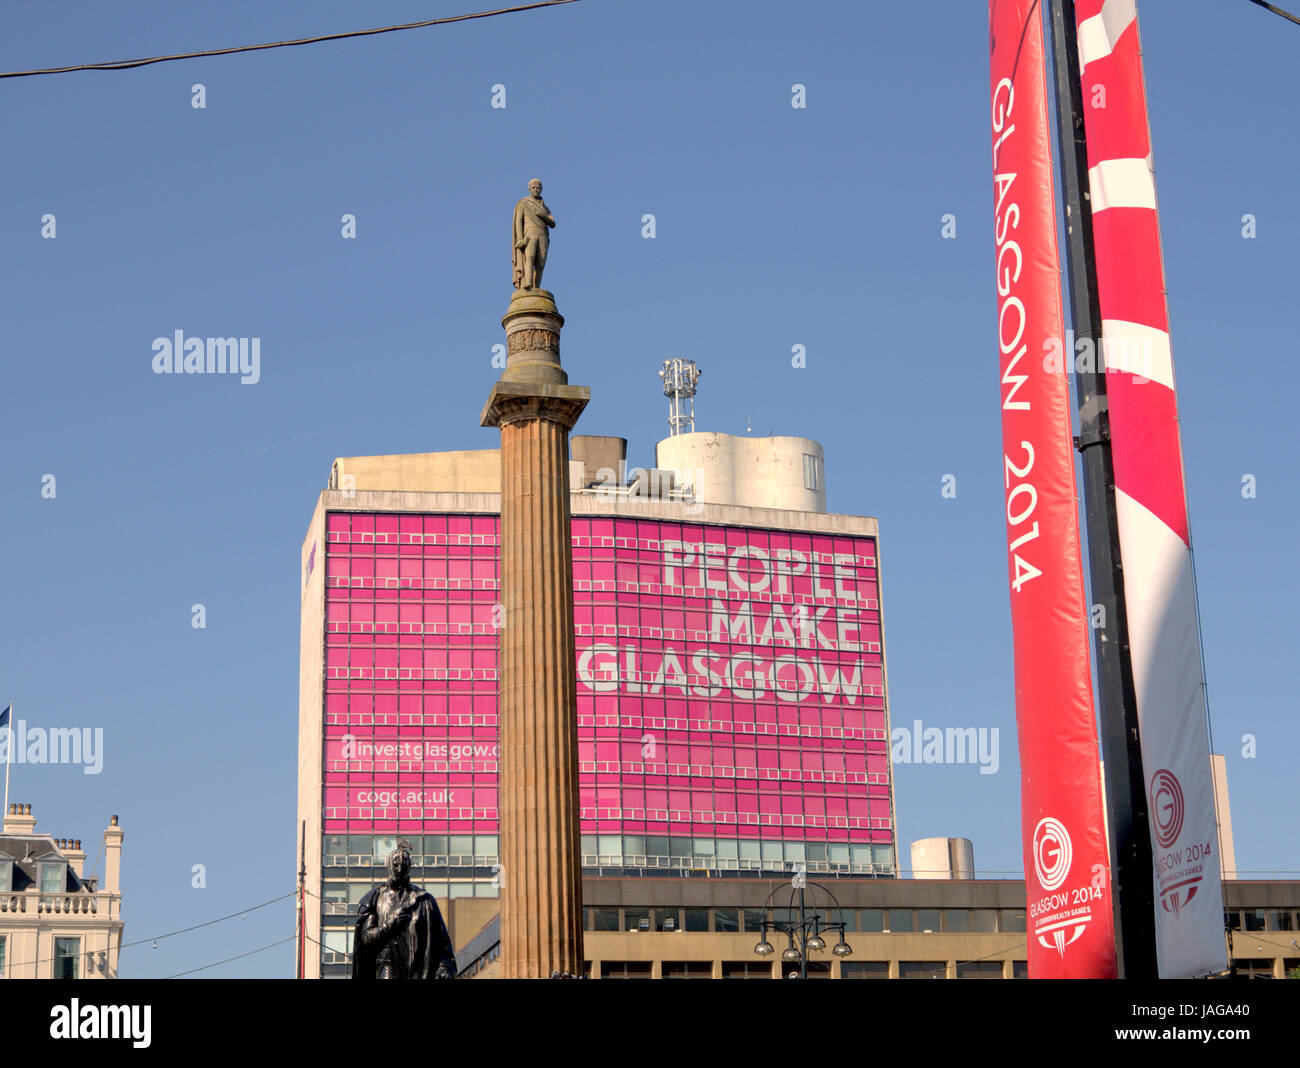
1166 807
1056 923
1179 872
1052 853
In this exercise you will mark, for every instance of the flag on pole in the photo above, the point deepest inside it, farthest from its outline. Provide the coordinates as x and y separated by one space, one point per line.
1150 494
1067 869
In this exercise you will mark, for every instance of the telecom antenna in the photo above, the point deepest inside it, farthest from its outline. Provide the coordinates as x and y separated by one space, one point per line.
680 377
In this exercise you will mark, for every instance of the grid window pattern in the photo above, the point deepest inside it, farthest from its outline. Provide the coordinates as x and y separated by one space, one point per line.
922 969
730 920
687 969
979 969
746 969
626 969
730 694
864 969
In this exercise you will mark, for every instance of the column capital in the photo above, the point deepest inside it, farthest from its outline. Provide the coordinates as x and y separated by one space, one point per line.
511 402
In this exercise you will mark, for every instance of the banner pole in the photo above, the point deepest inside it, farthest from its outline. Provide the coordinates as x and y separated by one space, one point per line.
1130 839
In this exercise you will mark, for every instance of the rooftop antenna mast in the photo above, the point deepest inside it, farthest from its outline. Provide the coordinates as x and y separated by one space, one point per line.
680 377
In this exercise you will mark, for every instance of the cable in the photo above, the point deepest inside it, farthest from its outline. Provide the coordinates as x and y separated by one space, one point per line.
128 64
169 934
239 956
209 923
1276 10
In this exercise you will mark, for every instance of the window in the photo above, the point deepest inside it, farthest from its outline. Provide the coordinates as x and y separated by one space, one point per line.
864 969
337 946
927 920
753 919
979 969
602 918
1012 920
1020 969
1255 919
3 943
687 969
67 952
1253 968
54 879
1281 920
984 920
746 969
812 471
6 875
697 919
726 919
636 919
956 920
922 969
900 920
669 920
871 920
817 969
625 969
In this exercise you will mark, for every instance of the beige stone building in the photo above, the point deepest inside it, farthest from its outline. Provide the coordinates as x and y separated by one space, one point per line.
56 921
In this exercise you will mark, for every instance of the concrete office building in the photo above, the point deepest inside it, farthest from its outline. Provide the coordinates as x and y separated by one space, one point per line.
732 710
897 929
57 922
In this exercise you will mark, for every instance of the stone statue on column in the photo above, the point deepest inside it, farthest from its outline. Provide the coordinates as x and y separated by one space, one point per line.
531 238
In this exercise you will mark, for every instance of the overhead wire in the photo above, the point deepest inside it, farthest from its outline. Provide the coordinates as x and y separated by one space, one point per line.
172 934
130 64
1276 10
238 956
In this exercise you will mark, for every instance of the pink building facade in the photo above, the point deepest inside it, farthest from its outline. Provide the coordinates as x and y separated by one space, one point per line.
732 702
731 682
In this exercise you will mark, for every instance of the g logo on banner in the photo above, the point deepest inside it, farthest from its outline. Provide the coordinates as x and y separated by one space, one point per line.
1166 807
1178 875
1053 853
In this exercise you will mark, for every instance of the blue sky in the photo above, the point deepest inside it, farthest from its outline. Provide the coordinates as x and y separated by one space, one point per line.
775 227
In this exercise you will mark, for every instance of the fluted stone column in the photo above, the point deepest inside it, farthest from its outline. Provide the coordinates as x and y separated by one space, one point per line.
541 890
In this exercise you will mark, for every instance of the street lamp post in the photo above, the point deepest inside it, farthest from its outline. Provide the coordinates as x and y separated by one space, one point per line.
803 935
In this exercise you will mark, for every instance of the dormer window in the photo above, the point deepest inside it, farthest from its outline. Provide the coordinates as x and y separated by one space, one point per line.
6 875
54 878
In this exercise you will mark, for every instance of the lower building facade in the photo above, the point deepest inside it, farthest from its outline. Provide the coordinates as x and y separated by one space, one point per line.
647 928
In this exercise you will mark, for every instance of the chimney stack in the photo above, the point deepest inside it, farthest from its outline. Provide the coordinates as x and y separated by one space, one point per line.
112 857
19 819
75 854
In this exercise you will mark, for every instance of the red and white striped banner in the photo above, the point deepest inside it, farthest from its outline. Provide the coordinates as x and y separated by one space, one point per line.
1067 873
1164 635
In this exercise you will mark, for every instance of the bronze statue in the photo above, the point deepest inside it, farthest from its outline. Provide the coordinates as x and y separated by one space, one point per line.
531 238
400 933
